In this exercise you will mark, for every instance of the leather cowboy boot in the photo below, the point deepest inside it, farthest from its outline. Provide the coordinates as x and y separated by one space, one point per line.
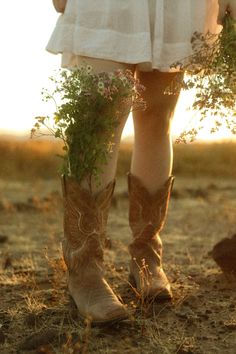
85 218
147 214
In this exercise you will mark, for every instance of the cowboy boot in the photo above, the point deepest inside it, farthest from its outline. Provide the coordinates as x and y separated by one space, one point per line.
85 218
147 214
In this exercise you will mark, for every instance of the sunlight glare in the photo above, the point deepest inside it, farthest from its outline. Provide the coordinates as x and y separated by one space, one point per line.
26 67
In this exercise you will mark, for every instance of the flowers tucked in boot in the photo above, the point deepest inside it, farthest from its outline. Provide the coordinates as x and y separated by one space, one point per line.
147 214
85 218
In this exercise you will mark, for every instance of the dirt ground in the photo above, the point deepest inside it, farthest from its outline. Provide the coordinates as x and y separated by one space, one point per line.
37 316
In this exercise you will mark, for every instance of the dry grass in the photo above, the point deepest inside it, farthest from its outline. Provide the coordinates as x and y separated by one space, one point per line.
30 159
210 159
36 315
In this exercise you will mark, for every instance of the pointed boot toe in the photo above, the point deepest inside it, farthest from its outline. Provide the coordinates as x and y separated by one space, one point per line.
157 287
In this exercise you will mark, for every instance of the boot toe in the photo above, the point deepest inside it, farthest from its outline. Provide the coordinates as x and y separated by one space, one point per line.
110 314
99 305
160 293
117 313
156 287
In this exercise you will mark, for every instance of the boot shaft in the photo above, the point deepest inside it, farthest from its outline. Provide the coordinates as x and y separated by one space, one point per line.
85 219
147 215
147 212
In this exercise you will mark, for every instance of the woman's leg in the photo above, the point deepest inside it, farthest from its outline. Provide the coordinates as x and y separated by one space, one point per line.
152 156
150 184
108 170
85 220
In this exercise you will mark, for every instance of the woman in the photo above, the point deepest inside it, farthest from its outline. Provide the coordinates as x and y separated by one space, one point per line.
145 36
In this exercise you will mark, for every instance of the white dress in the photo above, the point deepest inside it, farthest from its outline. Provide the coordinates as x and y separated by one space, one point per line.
150 33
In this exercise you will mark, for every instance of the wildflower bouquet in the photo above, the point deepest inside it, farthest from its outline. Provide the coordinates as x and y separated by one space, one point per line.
211 71
90 110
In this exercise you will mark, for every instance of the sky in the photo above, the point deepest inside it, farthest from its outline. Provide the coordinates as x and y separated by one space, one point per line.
25 28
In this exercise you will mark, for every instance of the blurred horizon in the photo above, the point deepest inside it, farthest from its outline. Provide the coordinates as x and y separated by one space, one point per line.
9 135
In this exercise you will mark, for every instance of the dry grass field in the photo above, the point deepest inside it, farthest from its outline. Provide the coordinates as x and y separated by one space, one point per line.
39 159
36 314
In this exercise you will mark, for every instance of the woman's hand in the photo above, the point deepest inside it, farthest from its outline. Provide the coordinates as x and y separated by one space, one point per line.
59 5
229 6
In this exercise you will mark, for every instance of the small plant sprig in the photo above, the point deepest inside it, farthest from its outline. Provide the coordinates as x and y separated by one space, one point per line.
211 71
91 108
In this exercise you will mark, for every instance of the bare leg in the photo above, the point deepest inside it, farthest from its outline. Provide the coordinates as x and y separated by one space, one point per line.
152 156
109 170
150 185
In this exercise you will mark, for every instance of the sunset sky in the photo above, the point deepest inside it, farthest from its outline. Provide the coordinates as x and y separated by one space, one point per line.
25 27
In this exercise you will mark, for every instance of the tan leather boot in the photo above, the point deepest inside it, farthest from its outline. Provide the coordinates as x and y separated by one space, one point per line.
85 218
147 214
